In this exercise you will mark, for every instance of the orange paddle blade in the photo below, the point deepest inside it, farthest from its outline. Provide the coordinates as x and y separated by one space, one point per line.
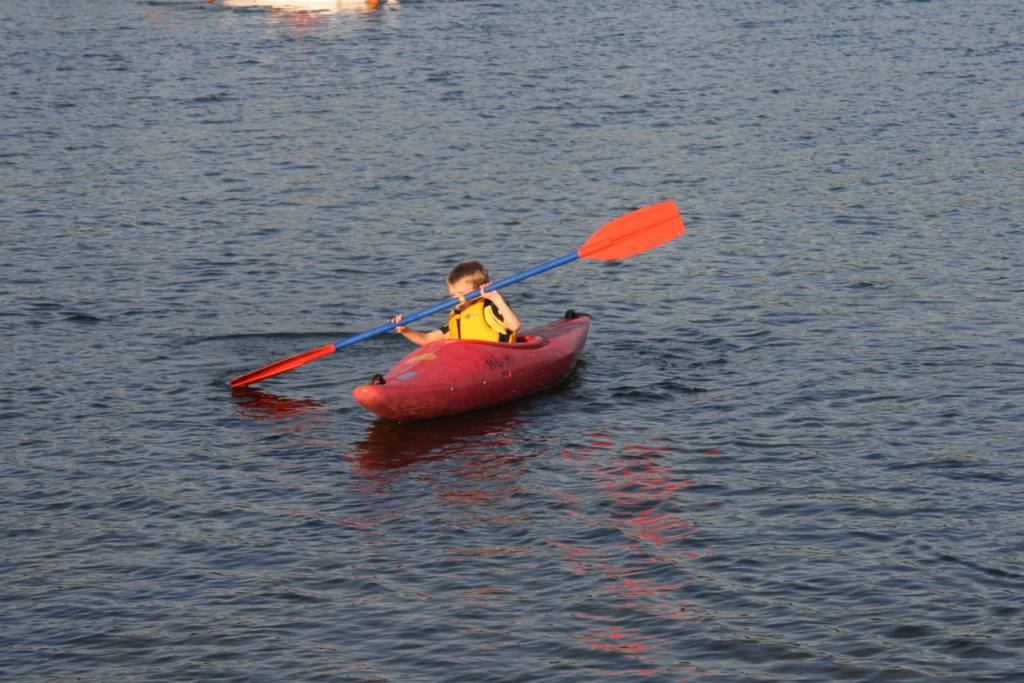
282 366
635 232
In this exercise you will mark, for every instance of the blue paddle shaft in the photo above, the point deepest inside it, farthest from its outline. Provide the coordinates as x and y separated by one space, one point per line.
452 302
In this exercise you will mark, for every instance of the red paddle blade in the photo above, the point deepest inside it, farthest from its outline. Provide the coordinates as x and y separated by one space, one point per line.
281 366
634 233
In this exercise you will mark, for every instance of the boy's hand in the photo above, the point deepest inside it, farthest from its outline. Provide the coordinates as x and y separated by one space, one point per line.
492 296
401 329
506 313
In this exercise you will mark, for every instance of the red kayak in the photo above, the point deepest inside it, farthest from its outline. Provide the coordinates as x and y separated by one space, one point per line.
453 376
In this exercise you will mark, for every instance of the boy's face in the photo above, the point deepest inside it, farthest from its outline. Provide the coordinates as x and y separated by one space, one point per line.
461 287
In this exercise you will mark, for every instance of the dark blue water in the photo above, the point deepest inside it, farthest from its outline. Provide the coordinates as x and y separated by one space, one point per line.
792 451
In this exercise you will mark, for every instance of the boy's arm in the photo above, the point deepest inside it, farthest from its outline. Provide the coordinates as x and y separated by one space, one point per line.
507 315
421 338
415 336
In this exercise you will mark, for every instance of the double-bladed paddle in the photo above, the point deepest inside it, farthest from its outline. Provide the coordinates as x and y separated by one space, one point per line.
627 235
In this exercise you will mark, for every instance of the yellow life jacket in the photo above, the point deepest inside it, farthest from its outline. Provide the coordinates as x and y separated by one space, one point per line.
479 320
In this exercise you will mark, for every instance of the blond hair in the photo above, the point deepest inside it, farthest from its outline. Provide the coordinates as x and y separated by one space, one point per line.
474 270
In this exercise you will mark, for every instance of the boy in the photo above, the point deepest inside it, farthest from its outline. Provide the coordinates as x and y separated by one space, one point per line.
488 317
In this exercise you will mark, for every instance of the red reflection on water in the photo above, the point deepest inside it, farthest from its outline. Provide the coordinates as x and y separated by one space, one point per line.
301 417
617 639
644 500
262 405
473 464
643 496
606 636
388 445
